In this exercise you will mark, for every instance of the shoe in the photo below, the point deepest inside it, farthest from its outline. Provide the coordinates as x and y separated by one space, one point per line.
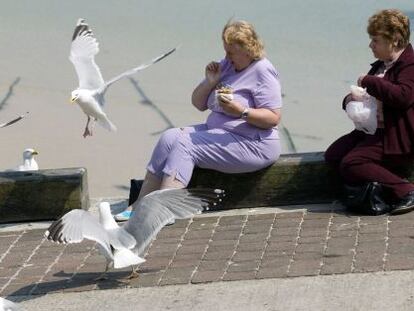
405 205
123 216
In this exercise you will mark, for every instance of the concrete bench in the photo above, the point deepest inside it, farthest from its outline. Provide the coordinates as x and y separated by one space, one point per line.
301 178
42 195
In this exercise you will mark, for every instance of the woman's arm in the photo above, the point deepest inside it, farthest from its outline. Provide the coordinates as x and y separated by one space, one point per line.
261 117
200 95
202 91
399 95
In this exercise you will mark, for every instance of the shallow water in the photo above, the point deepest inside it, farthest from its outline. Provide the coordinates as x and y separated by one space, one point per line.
319 47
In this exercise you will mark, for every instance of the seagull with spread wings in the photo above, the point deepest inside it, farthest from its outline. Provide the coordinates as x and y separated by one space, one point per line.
125 245
90 93
7 305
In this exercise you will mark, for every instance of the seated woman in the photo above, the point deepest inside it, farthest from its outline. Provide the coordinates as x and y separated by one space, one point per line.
243 93
362 158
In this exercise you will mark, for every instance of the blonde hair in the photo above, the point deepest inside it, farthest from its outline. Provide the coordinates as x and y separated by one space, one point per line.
243 34
391 24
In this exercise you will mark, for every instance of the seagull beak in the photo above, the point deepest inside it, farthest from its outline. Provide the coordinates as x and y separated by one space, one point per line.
72 100
34 152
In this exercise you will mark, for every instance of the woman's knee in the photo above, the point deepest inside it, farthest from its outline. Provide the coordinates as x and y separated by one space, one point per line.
169 137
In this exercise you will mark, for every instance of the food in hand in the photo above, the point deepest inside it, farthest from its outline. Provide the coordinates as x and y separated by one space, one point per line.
224 90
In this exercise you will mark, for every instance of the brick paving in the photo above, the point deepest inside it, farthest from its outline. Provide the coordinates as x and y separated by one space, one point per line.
214 249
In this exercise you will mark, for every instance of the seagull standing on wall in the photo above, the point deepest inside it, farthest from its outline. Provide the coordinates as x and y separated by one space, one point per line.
29 163
90 93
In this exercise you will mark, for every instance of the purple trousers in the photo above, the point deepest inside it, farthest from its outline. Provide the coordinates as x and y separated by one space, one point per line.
360 158
180 149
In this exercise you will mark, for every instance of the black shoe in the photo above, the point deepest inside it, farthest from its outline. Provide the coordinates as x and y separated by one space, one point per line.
405 205
378 205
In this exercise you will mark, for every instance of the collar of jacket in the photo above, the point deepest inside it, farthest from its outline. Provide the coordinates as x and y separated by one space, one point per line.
406 57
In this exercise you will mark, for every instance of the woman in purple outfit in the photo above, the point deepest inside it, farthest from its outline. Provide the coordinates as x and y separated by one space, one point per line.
362 158
240 134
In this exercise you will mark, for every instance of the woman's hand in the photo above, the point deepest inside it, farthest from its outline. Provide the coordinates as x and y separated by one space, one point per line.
360 80
229 106
213 73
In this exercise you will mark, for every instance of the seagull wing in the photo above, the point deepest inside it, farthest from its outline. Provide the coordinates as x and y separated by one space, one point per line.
161 207
9 305
13 121
77 225
82 54
136 69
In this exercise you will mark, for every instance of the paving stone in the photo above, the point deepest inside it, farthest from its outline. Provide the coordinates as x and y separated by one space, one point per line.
225 235
199 234
243 266
176 276
246 256
289 215
336 265
304 267
235 276
272 272
206 276
213 265
146 279
218 255
254 237
251 247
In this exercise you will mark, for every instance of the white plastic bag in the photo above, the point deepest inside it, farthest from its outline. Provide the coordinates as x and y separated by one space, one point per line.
364 111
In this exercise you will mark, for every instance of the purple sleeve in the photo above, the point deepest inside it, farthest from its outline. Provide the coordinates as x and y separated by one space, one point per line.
268 93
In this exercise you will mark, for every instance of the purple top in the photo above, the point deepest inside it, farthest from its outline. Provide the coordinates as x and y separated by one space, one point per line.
256 86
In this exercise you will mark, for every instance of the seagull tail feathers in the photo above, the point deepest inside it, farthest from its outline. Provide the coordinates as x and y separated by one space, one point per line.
125 258
107 124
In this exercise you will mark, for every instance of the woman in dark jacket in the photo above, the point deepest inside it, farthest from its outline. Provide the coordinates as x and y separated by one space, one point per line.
362 158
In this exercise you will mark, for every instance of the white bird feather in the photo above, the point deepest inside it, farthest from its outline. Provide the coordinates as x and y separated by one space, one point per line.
29 163
92 87
7 305
125 245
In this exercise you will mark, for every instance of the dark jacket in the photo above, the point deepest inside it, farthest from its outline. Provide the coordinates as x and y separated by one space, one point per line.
396 91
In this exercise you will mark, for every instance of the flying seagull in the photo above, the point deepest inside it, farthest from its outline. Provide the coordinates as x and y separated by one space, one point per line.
125 245
13 121
90 93
7 305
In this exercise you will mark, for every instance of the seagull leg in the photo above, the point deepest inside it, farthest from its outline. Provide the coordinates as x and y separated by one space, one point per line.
103 276
134 274
87 132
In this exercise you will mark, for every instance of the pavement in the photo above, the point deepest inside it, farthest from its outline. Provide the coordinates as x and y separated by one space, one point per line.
311 257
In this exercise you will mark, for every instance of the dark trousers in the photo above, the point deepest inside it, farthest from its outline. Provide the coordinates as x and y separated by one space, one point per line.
360 158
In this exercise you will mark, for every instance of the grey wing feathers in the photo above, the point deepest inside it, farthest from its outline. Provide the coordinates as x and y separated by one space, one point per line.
84 47
75 226
136 69
161 207
81 28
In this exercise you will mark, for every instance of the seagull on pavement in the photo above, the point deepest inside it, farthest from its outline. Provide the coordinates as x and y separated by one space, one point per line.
7 305
90 93
125 245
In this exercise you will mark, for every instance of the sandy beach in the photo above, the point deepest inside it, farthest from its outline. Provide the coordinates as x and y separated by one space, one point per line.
319 47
